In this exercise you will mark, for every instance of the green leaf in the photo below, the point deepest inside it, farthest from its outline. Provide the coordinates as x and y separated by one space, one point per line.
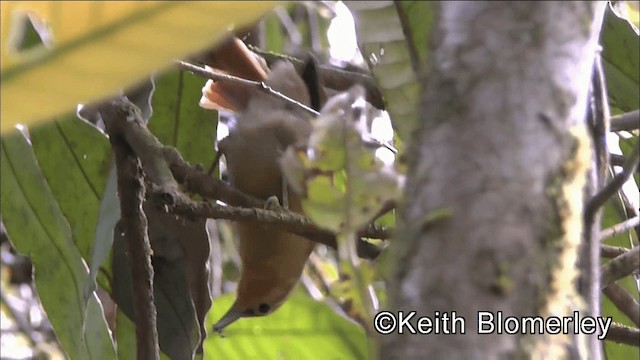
74 158
621 59
38 229
179 121
95 332
101 47
392 36
301 329
108 217
274 34
84 153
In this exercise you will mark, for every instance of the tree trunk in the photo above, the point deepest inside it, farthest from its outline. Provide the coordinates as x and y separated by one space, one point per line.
502 148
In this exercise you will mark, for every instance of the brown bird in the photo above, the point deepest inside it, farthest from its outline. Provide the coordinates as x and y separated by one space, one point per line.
272 259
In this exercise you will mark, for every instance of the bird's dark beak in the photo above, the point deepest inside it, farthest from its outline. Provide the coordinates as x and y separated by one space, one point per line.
233 314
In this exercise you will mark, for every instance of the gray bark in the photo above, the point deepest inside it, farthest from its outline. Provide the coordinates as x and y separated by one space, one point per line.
502 146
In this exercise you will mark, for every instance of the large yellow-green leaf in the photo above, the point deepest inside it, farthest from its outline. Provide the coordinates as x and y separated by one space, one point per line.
301 329
100 47
84 153
38 228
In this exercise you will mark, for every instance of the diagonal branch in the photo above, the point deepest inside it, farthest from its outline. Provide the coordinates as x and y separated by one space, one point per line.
626 122
300 225
332 77
617 160
612 187
610 252
621 266
203 184
624 301
261 86
620 228
199 182
623 334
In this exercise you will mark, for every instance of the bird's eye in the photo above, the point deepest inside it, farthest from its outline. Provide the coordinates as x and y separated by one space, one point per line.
264 308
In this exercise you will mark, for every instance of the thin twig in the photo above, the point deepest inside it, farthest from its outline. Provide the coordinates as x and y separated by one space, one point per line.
290 221
315 33
333 77
131 193
623 334
612 187
202 184
215 259
290 26
198 182
624 302
625 209
626 122
620 228
618 160
610 252
261 86
317 267
621 266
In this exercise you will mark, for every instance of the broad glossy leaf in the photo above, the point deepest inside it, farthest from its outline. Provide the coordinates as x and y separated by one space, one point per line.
38 229
301 329
179 121
101 47
95 331
84 153
74 157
